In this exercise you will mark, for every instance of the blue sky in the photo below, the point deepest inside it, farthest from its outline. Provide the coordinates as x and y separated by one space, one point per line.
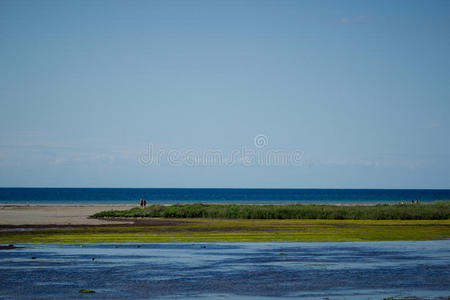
360 88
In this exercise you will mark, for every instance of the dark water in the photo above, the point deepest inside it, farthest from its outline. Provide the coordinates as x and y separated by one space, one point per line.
128 195
357 270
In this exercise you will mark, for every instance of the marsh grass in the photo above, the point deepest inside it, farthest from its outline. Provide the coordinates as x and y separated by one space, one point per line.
241 230
433 211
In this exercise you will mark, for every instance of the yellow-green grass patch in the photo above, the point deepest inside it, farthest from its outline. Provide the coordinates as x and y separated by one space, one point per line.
214 230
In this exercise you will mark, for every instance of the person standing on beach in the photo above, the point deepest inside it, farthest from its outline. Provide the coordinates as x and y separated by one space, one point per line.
141 202
145 203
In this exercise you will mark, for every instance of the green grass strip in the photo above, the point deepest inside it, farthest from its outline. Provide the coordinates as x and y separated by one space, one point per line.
225 230
433 211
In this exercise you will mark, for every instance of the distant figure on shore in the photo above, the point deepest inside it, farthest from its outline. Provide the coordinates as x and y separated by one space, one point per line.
145 203
141 202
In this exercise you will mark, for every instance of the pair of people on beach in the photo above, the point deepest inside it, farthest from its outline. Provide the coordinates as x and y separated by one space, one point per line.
143 203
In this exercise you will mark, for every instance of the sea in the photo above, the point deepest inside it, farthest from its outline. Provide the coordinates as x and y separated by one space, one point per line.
216 195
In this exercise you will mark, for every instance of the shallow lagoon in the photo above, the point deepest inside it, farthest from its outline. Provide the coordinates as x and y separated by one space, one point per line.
353 270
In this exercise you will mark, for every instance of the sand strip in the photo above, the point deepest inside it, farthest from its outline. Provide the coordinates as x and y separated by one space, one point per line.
56 214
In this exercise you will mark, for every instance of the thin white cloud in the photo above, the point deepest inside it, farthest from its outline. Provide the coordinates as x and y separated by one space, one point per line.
18 153
84 157
378 163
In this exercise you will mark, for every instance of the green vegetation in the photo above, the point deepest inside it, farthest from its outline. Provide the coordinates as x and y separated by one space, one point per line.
434 211
86 291
255 223
239 230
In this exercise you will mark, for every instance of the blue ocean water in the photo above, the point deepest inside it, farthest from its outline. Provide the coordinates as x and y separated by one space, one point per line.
182 195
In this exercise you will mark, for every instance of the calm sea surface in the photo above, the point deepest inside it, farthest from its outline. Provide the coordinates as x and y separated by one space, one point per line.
357 270
156 195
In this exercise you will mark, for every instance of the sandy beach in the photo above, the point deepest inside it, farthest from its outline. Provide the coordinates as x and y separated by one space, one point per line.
56 214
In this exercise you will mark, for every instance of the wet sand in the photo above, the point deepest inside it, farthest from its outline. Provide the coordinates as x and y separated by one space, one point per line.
56 214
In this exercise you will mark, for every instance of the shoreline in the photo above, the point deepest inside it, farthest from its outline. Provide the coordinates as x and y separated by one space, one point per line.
128 204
